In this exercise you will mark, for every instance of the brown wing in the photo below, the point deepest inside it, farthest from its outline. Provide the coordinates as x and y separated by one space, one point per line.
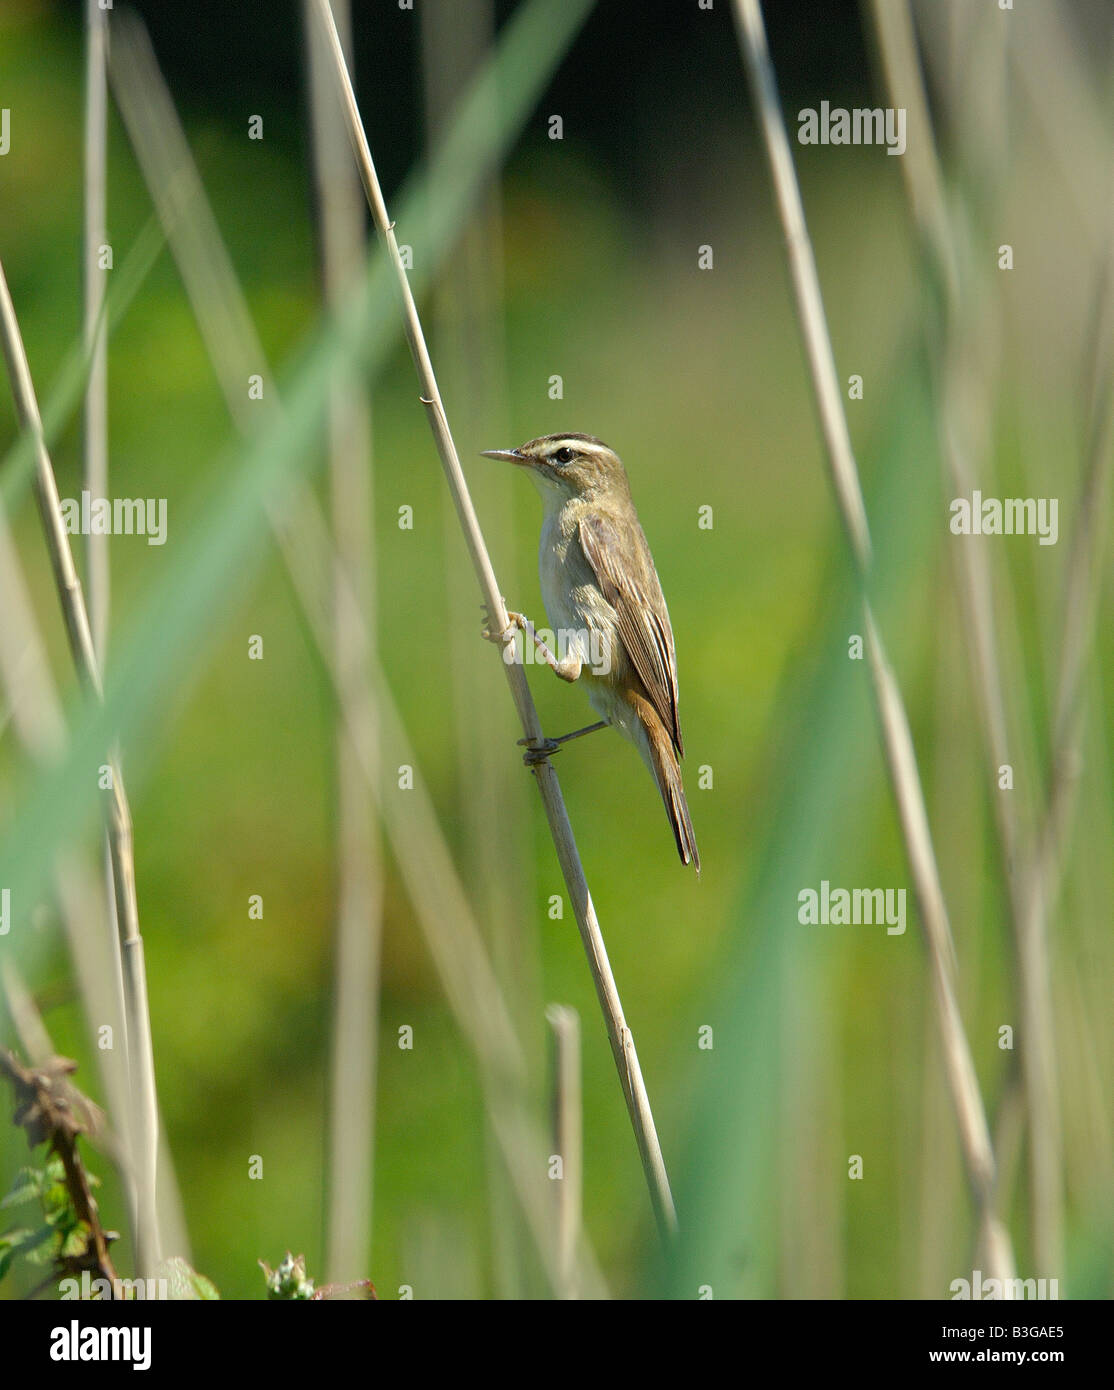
641 613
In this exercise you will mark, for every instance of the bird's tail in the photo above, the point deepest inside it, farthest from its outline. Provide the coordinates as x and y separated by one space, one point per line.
667 773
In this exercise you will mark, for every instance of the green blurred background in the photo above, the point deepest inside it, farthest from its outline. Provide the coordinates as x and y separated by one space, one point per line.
825 1043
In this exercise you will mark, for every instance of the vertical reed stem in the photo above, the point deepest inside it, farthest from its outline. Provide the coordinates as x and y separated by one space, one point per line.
897 740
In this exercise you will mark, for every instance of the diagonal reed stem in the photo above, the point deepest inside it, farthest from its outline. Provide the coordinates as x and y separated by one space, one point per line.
38 723
622 1042
897 740
144 1127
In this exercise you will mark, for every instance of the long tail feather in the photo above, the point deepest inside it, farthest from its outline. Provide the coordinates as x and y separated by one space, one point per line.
667 774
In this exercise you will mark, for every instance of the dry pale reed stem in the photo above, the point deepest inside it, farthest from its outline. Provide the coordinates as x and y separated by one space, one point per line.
144 1127
342 254
1080 606
95 440
328 599
568 1137
622 1043
95 433
1021 860
38 721
1076 125
466 309
1046 862
896 738
465 323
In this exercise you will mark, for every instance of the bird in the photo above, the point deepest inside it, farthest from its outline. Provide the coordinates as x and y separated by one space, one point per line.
604 600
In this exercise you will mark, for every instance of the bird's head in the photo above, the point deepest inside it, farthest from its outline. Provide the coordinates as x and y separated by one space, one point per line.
564 466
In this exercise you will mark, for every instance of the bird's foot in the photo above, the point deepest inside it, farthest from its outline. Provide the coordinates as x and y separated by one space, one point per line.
538 750
515 622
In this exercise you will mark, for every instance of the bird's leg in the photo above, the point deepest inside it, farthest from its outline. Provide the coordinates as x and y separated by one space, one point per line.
538 749
568 667
566 738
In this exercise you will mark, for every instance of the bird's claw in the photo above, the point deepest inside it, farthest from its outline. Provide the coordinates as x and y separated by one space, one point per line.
515 621
538 750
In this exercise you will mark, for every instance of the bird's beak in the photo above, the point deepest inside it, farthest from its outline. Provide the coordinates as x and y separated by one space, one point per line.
506 455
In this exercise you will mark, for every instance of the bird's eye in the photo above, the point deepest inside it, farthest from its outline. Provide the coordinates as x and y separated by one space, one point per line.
562 456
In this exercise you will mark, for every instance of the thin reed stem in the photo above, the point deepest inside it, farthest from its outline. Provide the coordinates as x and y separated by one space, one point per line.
95 433
144 1128
95 438
897 740
492 813
1025 862
359 869
568 1137
39 725
622 1041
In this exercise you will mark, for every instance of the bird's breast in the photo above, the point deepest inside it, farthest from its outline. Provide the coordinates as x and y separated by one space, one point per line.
573 602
